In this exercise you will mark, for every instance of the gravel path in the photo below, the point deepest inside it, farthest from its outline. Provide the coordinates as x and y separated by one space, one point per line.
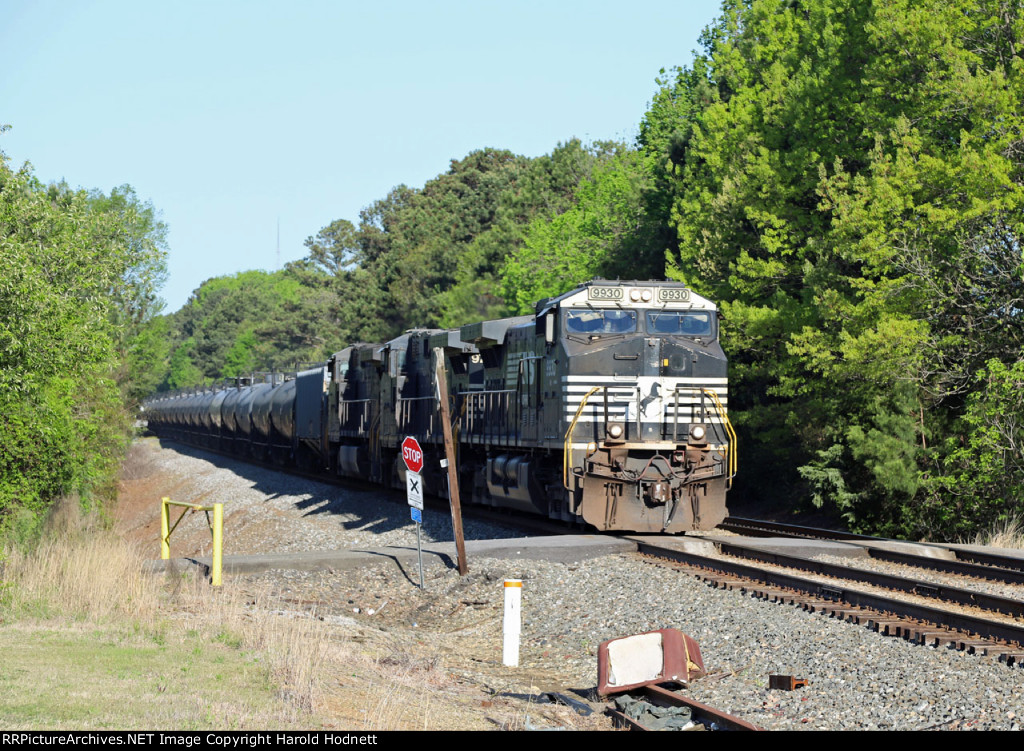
857 678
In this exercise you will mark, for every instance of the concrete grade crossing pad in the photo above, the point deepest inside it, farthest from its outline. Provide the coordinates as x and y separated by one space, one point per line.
709 542
564 548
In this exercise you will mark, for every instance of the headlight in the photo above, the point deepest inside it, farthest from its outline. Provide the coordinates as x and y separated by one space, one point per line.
615 431
697 433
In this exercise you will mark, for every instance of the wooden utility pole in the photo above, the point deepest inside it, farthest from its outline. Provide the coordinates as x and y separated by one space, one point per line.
449 452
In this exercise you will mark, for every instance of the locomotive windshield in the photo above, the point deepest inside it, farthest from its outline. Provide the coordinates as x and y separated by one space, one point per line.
695 323
595 322
600 321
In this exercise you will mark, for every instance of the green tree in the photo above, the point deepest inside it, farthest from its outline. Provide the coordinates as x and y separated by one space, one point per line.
537 190
431 235
255 320
939 209
605 233
73 269
848 185
135 302
335 248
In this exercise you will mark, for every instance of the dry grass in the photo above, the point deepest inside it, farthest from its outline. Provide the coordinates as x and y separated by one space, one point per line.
90 641
298 650
91 582
1008 533
87 625
95 578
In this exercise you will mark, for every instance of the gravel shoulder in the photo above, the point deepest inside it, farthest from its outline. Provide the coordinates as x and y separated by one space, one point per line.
445 641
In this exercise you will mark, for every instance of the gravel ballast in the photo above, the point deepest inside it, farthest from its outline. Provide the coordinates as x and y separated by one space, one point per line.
857 679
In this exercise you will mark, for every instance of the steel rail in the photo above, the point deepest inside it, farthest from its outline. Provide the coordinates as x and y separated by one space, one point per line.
740 524
968 563
961 568
702 713
967 597
969 624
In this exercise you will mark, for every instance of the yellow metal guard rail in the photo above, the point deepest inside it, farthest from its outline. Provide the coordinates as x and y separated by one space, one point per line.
216 527
731 450
567 448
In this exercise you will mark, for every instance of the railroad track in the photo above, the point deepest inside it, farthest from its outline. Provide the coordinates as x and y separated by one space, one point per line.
955 560
710 717
922 612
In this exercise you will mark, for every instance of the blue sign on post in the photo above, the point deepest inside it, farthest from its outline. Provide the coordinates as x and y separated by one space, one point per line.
417 516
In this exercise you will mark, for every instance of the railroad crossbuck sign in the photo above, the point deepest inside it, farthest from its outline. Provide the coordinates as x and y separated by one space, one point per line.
412 455
414 489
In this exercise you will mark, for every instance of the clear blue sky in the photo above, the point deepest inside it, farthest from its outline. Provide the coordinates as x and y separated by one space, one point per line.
233 116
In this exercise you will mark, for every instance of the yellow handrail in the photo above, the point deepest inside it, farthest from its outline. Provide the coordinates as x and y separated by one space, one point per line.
730 451
216 527
568 437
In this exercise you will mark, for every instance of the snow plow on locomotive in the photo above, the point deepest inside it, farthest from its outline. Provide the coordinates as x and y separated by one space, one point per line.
606 406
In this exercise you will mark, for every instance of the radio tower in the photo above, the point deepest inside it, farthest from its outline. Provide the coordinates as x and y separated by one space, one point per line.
278 267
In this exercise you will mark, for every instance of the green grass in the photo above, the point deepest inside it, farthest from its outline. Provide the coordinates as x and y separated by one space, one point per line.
116 679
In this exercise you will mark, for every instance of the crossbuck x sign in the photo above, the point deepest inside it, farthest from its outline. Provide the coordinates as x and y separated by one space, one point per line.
414 489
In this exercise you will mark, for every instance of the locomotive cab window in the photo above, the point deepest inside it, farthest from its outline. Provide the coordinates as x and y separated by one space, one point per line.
397 362
597 322
692 323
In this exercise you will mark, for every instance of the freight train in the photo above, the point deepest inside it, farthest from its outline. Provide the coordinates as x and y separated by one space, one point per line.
606 406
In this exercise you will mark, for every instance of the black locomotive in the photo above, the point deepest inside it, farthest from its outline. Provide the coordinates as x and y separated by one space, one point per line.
608 406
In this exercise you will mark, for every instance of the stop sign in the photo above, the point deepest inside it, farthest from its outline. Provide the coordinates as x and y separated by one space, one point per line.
412 454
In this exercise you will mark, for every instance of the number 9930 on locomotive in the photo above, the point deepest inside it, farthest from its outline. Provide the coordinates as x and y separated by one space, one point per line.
608 405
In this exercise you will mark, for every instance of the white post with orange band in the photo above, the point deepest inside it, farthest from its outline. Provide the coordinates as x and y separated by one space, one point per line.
512 621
